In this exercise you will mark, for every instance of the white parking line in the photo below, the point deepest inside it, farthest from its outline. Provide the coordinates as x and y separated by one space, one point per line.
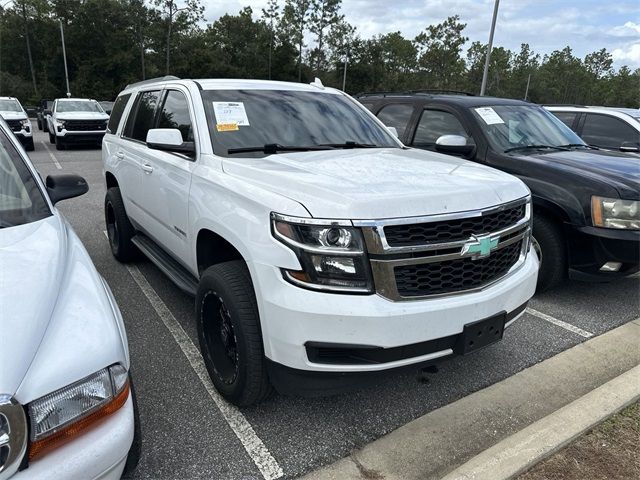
560 323
53 157
256 449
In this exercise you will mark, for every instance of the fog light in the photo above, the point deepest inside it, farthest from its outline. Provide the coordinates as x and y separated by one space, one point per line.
611 267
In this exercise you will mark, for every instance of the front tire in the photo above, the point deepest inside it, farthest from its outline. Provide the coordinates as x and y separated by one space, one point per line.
52 138
549 243
39 124
60 145
29 146
119 229
229 333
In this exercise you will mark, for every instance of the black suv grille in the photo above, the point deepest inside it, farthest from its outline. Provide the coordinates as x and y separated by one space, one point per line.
455 275
451 230
85 125
14 125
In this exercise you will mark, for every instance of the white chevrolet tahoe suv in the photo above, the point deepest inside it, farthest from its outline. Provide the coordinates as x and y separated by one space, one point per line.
67 409
74 121
319 249
12 112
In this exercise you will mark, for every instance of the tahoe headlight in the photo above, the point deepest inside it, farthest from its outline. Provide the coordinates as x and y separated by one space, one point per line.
331 253
63 414
615 213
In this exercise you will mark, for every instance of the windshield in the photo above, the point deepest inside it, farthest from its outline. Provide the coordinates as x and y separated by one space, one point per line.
10 106
521 126
254 118
21 200
78 106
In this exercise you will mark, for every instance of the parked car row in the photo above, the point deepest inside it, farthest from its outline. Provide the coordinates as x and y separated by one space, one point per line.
323 243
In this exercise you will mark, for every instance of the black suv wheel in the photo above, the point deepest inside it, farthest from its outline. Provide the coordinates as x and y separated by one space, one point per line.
229 333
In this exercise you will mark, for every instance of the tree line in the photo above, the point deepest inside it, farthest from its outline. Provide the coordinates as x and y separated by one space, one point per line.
110 43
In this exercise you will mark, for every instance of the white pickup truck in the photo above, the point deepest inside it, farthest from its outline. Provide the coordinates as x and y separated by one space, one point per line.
319 249
74 121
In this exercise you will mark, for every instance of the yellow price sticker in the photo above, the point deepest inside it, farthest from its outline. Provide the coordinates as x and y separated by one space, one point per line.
227 127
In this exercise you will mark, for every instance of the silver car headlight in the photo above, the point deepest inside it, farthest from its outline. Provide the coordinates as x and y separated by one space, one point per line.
615 213
63 414
331 253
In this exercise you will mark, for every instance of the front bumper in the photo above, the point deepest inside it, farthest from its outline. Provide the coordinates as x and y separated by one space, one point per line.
100 453
292 317
71 136
591 247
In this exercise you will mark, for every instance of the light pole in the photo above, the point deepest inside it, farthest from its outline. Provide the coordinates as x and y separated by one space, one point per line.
64 56
483 88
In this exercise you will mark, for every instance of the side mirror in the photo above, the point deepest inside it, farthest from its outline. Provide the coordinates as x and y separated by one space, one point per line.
61 187
393 131
169 140
454 145
631 147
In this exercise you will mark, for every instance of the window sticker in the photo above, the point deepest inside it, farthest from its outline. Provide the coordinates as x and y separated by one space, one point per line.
230 116
227 127
489 115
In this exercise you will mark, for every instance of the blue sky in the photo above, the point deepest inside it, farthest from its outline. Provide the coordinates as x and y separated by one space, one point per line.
546 25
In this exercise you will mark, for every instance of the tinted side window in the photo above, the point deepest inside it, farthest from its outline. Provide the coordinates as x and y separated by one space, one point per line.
175 114
397 116
566 117
142 115
368 105
116 112
606 131
435 123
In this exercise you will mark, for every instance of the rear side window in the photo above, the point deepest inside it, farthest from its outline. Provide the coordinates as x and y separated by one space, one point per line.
608 132
175 114
142 115
567 118
436 123
116 112
396 116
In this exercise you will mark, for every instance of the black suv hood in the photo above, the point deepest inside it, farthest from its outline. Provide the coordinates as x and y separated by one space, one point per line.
617 169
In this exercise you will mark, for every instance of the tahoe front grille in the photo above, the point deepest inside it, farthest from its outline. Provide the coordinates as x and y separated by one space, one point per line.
85 125
14 125
446 254
455 275
451 230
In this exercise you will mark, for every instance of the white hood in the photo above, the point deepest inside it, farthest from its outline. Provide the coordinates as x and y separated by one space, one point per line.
81 116
13 115
378 183
56 321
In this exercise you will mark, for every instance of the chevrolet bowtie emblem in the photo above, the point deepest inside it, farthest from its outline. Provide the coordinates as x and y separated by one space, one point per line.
481 246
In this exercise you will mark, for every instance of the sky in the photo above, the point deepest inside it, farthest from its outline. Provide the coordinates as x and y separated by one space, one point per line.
546 25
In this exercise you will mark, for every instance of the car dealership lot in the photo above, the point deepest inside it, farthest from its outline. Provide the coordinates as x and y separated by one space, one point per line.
188 432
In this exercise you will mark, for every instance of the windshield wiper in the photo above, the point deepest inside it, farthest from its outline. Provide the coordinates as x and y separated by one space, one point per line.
271 148
349 144
536 147
575 145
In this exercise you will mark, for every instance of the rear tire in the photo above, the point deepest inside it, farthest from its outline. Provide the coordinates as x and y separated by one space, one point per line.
119 229
229 333
551 246
52 138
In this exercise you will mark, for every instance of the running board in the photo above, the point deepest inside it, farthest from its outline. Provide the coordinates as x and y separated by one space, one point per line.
172 269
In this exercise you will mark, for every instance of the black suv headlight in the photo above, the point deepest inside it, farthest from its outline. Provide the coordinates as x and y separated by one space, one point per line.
331 252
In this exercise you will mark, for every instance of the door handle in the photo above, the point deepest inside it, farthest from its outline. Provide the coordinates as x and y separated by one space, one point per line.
120 155
147 168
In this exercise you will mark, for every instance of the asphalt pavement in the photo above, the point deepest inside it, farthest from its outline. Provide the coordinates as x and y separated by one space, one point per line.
189 433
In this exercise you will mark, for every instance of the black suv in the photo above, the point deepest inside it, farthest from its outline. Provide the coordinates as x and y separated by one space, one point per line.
586 201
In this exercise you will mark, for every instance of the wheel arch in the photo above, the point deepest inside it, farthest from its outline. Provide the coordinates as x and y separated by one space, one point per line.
212 249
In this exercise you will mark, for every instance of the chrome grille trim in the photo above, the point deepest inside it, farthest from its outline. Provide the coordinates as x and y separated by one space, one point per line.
13 436
384 258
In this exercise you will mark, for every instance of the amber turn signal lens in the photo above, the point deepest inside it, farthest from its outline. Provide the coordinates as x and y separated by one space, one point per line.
39 447
596 211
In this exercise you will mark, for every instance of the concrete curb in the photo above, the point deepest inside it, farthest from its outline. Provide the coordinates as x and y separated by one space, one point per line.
521 451
432 446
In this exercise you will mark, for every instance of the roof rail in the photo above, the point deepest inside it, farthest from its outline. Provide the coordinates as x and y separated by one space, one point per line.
166 78
564 105
414 92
